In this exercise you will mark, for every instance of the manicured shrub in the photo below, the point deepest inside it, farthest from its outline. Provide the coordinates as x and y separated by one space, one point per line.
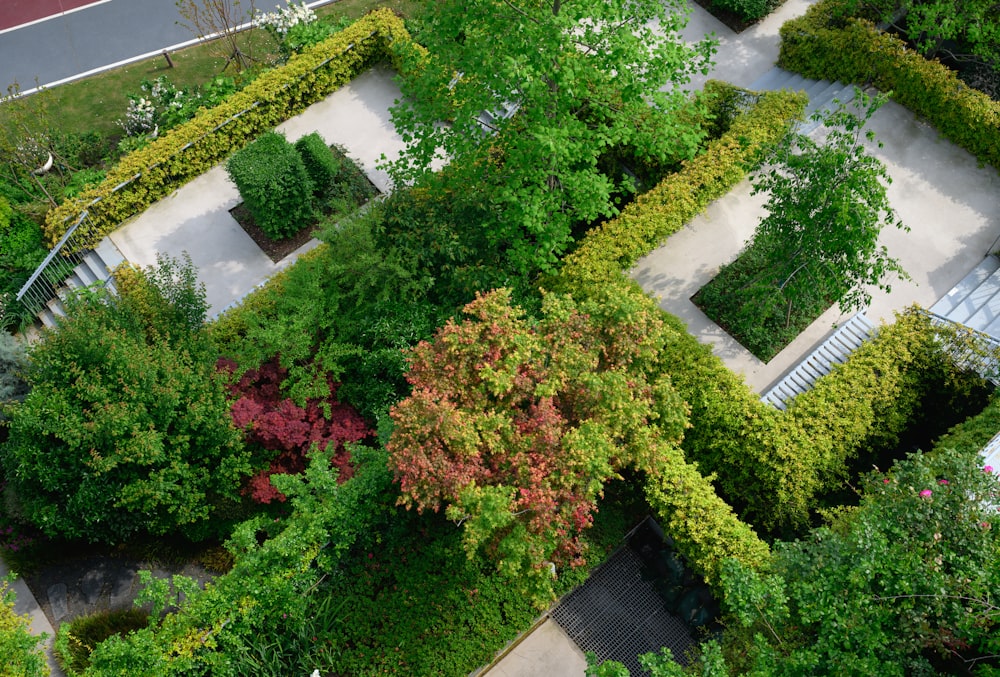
826 44
320 163
274 184
748 10
76 639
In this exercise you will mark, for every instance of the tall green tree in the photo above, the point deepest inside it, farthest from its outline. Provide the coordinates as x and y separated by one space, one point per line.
514 425
827 205
126 429
527 96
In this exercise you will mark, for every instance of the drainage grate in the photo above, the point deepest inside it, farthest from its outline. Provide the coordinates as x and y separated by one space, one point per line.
619 616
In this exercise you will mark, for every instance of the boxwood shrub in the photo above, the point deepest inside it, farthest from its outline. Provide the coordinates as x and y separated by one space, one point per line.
319 162
824 44
274 184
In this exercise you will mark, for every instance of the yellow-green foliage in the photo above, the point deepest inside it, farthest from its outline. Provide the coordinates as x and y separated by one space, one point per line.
659 213
823 44
20 653
702 525
196 146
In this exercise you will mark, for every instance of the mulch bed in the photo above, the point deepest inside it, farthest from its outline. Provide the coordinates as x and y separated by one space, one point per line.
276 250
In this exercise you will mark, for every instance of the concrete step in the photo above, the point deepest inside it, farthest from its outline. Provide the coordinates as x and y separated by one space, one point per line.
976 299
834 350
48 318
989 312
823 99
991 453
109 255
947 303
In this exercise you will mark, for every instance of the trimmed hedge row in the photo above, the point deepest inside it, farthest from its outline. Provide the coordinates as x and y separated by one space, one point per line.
769 465
193 148
822 44
659 213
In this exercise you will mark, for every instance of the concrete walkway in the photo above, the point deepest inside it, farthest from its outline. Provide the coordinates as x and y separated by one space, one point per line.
195 218
938 190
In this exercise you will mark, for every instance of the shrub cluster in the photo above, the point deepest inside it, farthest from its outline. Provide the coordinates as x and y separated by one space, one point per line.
320 164
823 44
274 184
190 149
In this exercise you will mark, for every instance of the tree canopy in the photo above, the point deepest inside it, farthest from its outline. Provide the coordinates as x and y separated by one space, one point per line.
527 97
514 425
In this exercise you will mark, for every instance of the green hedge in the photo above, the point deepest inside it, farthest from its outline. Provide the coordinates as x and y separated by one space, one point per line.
274 184
659 213
319 162
769 465
21 653
193 148
822 44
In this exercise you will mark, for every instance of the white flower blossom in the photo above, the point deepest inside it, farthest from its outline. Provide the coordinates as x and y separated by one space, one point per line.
286 17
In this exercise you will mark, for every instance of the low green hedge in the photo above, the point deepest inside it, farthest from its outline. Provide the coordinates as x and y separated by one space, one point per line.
659 213
823 44
189 150
769 465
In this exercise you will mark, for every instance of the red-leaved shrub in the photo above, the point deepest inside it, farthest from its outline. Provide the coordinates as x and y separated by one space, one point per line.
276 423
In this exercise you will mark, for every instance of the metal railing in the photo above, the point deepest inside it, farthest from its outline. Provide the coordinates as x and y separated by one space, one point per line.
50 276
970 348
45 283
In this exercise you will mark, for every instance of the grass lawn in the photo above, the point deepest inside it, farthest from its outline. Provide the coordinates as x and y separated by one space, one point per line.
96 102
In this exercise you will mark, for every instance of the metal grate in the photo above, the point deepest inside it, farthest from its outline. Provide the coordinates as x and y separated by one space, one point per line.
619 616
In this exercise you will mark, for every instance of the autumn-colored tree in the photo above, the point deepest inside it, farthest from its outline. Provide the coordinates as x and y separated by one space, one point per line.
275 423
515 424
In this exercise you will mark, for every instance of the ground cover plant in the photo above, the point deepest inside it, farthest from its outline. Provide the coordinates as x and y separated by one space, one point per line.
817 244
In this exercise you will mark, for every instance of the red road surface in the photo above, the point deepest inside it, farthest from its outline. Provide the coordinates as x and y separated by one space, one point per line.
18 12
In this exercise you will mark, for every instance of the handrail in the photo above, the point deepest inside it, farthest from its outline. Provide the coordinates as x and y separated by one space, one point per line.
51 255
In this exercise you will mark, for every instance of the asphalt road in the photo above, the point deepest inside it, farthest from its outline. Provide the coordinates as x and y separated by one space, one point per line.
68 45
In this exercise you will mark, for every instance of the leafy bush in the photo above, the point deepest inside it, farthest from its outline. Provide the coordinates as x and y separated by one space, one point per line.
320 163
21 653
747 10
826 44
126 429
13 364
279 425
76 640
274 184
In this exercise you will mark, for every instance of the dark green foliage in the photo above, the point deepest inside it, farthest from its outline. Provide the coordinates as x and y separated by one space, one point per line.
750 311
126 429
21 250
973 434
319 162
747 10
76 639
13 364
274 184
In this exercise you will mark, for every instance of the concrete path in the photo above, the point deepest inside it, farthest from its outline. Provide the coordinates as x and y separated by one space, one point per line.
545 651
938 190
195 219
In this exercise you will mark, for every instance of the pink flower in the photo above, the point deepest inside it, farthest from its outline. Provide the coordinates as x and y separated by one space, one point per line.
885 480
988 468
925 493
942 481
